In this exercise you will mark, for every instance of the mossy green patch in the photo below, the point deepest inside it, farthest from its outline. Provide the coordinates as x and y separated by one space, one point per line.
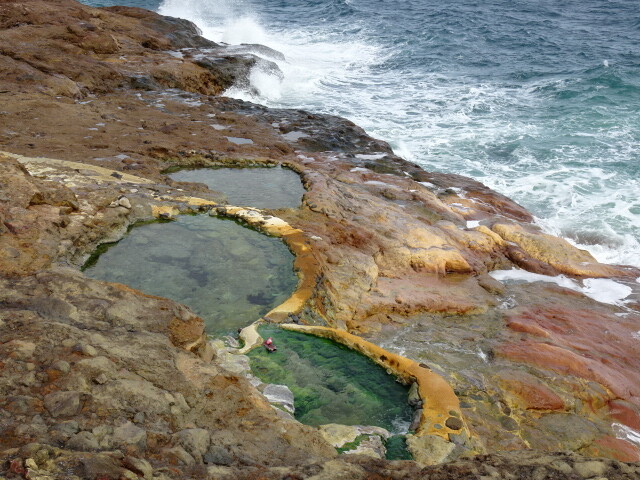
352 445
331 383
397 448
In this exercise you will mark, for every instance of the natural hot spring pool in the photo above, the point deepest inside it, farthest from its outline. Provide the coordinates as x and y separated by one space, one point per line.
228 274
331 383
258 187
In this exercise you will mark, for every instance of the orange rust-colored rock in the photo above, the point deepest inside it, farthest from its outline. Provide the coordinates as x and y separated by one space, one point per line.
626 413
564 361
591 344
414 292
611 447
530 392
439 400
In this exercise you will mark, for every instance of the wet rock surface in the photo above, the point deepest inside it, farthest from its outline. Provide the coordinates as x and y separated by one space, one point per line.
102 381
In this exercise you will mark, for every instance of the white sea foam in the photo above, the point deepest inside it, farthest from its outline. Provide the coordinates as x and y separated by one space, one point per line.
626 433
600 289
446 123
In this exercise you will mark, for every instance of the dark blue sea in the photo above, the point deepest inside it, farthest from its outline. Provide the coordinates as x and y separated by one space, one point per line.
538 99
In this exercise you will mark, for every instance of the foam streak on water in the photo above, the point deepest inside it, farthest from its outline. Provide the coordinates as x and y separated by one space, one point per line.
538 100
602 290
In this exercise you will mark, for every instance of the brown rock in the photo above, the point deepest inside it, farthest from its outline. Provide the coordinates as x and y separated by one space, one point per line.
63 404
626 413
530 392
556 252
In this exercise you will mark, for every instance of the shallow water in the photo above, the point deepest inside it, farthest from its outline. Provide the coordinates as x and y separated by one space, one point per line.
256 187
228 274
538 100
331 383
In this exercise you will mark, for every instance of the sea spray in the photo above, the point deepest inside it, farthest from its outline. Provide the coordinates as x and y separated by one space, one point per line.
539 101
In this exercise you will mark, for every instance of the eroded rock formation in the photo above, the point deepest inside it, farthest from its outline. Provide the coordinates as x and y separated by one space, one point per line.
102 381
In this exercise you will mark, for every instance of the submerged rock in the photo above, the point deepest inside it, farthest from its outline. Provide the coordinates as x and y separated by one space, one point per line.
389 251
280 395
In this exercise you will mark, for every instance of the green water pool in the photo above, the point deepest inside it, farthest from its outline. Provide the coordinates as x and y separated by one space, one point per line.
228 274
331 383
258 187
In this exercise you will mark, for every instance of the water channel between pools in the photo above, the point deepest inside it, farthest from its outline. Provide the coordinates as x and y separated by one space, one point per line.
259 187
331 383
228 274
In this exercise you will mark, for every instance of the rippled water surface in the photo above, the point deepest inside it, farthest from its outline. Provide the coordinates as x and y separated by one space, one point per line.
228 274
537 99
331 383
256 187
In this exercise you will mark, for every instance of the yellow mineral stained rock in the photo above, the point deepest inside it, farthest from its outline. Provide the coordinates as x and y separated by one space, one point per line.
165 210
305 264
555 251
441 415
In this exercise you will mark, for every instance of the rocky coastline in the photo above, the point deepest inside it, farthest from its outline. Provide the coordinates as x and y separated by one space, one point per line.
514 379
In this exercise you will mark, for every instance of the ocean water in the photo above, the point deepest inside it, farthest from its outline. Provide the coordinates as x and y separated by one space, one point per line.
538 99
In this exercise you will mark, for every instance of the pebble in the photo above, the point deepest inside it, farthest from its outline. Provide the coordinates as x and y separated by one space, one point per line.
61 366
193 440
130 434
217 456
454 423
63 404
68 428
83 441
85 349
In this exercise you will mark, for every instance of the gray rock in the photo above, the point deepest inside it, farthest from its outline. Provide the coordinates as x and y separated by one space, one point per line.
178 455
68 428
193 440
372 446
61 366
85 349
454 423
414 396
415 421
124 202
589 469
84 442
28 380
429 449
138 466
280 395
217 456
130 434
63 404
102 466
561 466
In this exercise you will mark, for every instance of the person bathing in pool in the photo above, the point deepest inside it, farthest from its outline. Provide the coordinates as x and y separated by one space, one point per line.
269 345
